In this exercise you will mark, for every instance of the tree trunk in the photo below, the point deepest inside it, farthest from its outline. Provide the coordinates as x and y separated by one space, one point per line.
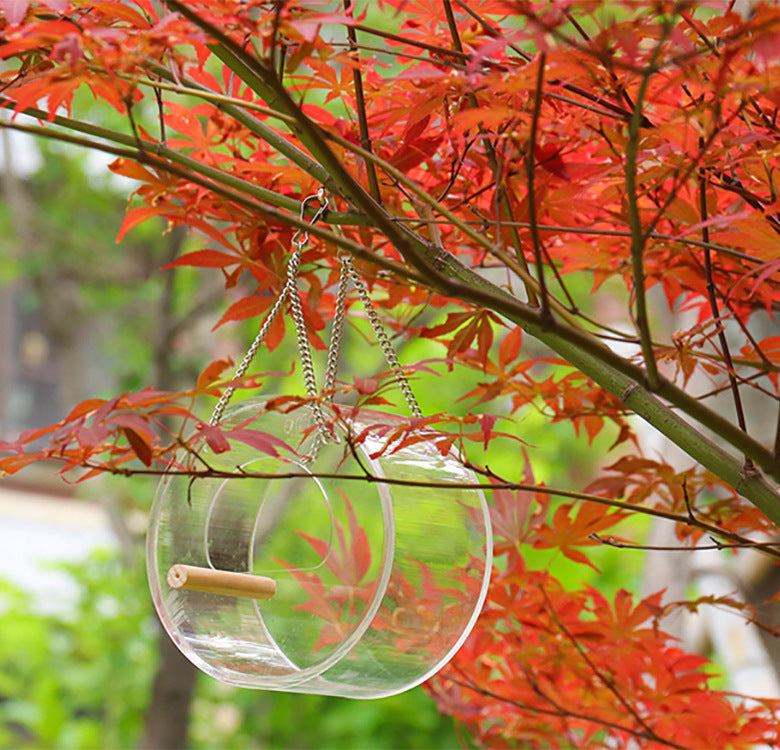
169 709
168 715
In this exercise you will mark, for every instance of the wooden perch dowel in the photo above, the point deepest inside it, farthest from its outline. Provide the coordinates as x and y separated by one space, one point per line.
227 583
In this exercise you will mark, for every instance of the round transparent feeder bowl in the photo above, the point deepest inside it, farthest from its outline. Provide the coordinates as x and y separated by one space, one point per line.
376 585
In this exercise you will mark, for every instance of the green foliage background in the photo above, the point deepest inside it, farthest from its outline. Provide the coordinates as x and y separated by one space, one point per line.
83 680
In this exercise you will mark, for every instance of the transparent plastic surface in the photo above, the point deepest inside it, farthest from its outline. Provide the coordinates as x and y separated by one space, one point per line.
377 585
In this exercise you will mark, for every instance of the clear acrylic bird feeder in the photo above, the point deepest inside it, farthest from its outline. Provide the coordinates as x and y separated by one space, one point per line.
353 566
375 585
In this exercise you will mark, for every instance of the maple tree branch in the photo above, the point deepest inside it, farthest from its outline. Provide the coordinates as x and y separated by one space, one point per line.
620 91
777 437
638 237
393 53
147 157
235 107
747 380
262 131
653 235
611 541
762 367
424 197
452 25
505 206
598 232
444 52
681 177
713 49
611 110
480 239
265 83
673 61
496 484
624 380
442 271
459 61
688 519
160 149
765 361
746 612
578 348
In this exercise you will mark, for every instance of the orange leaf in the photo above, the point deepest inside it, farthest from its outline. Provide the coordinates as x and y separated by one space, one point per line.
140 445
212 372
204 259
132 169
137 216
84 408
246 307
509 350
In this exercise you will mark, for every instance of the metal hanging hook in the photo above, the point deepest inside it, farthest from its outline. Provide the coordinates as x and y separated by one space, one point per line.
301 236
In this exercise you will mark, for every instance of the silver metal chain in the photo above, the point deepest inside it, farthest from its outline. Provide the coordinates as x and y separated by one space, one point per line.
290 289
382 338
227 394
337 331
299 240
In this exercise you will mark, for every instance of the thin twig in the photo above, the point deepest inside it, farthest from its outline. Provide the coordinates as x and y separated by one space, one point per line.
354 219
360 104
483 241
620 89
496 484
272 44
611 541
724 346
688 507
160 115
613 110
777 437
146 157
680 178
530 164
